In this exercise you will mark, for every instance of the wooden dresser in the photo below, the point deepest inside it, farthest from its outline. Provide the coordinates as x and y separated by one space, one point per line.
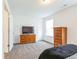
27 38
60 36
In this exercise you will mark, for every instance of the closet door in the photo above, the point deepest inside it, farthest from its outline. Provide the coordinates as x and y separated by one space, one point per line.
5 30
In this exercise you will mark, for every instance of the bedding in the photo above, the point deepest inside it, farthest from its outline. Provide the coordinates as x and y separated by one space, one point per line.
61 52
72 57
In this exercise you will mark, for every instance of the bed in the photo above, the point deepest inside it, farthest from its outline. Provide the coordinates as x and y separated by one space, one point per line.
63 52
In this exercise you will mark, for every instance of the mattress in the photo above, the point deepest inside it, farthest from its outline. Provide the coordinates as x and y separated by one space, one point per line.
73 56
62 52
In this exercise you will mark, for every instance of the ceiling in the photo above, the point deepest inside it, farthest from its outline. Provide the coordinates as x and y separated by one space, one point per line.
36 8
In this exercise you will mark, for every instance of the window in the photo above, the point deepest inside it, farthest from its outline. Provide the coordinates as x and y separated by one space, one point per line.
49 28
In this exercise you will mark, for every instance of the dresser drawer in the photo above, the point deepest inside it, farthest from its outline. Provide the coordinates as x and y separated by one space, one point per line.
56 41
57 45
57 35
31 37
57 38
27 38
57 32
57 29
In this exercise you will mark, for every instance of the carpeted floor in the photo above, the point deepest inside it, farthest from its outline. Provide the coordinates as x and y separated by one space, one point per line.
28 51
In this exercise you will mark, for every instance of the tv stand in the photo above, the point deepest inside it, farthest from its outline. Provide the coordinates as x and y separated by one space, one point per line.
27 38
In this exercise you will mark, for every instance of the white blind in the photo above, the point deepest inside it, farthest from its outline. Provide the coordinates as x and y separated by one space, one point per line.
49 27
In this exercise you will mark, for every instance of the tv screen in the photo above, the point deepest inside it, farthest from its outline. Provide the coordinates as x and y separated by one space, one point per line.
27 29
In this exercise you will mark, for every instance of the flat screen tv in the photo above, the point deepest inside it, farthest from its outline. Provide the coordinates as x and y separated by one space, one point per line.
27 29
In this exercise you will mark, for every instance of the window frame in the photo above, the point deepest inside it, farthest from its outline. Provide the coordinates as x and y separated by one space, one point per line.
51 35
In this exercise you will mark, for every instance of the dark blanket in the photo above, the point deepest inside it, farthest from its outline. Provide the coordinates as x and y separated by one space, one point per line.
59 53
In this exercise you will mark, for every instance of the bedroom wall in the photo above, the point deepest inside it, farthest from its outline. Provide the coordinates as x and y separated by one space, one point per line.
65 17
20 21
68 18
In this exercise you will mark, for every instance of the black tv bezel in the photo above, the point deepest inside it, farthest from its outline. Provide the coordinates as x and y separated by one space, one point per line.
25 32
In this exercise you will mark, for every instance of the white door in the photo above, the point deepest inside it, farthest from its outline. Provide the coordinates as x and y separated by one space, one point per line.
5 30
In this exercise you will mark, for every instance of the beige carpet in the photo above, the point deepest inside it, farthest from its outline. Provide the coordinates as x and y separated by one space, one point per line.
28 51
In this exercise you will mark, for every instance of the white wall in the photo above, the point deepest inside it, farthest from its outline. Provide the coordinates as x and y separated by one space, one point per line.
20 21
65 17
68 18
